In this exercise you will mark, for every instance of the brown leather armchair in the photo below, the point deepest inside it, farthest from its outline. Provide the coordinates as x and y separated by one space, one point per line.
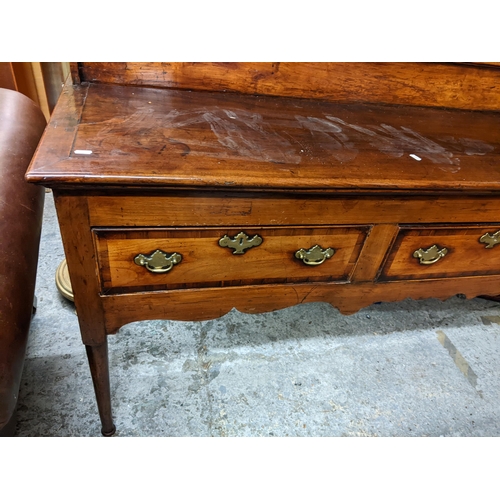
21 207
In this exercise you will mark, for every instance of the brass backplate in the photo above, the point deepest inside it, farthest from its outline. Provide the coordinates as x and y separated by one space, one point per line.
490 240
431 255
315 255
158 261
240 243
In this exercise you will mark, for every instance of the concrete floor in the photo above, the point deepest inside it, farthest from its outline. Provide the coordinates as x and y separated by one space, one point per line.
426 368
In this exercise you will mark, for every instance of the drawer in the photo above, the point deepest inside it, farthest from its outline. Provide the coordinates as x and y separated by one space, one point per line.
193 258
440 252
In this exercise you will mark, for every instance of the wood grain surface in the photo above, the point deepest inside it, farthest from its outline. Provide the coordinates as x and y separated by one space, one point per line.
205 263
168 138
72 213
210 303
466 255
195 208
418 84
374 160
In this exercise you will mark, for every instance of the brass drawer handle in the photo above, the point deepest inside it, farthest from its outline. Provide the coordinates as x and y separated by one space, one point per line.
158 261
240 243
490 240
431 255
314 256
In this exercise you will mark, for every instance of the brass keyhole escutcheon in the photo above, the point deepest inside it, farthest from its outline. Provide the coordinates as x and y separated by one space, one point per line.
158 261
314 256
240 243
431 255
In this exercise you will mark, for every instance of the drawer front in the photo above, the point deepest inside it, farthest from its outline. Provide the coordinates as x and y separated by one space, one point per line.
193 258
420 253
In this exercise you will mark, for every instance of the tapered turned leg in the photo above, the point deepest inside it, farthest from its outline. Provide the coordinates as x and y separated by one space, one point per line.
99 369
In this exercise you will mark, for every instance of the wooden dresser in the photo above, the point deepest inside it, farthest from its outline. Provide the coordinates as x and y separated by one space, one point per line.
184 190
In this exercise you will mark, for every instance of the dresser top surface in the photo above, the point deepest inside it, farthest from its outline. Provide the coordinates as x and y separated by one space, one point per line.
112 135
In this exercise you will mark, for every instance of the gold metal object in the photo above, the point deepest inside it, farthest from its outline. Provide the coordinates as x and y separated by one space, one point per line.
158 261
490 240
63 282
431 255
314 256
240 243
